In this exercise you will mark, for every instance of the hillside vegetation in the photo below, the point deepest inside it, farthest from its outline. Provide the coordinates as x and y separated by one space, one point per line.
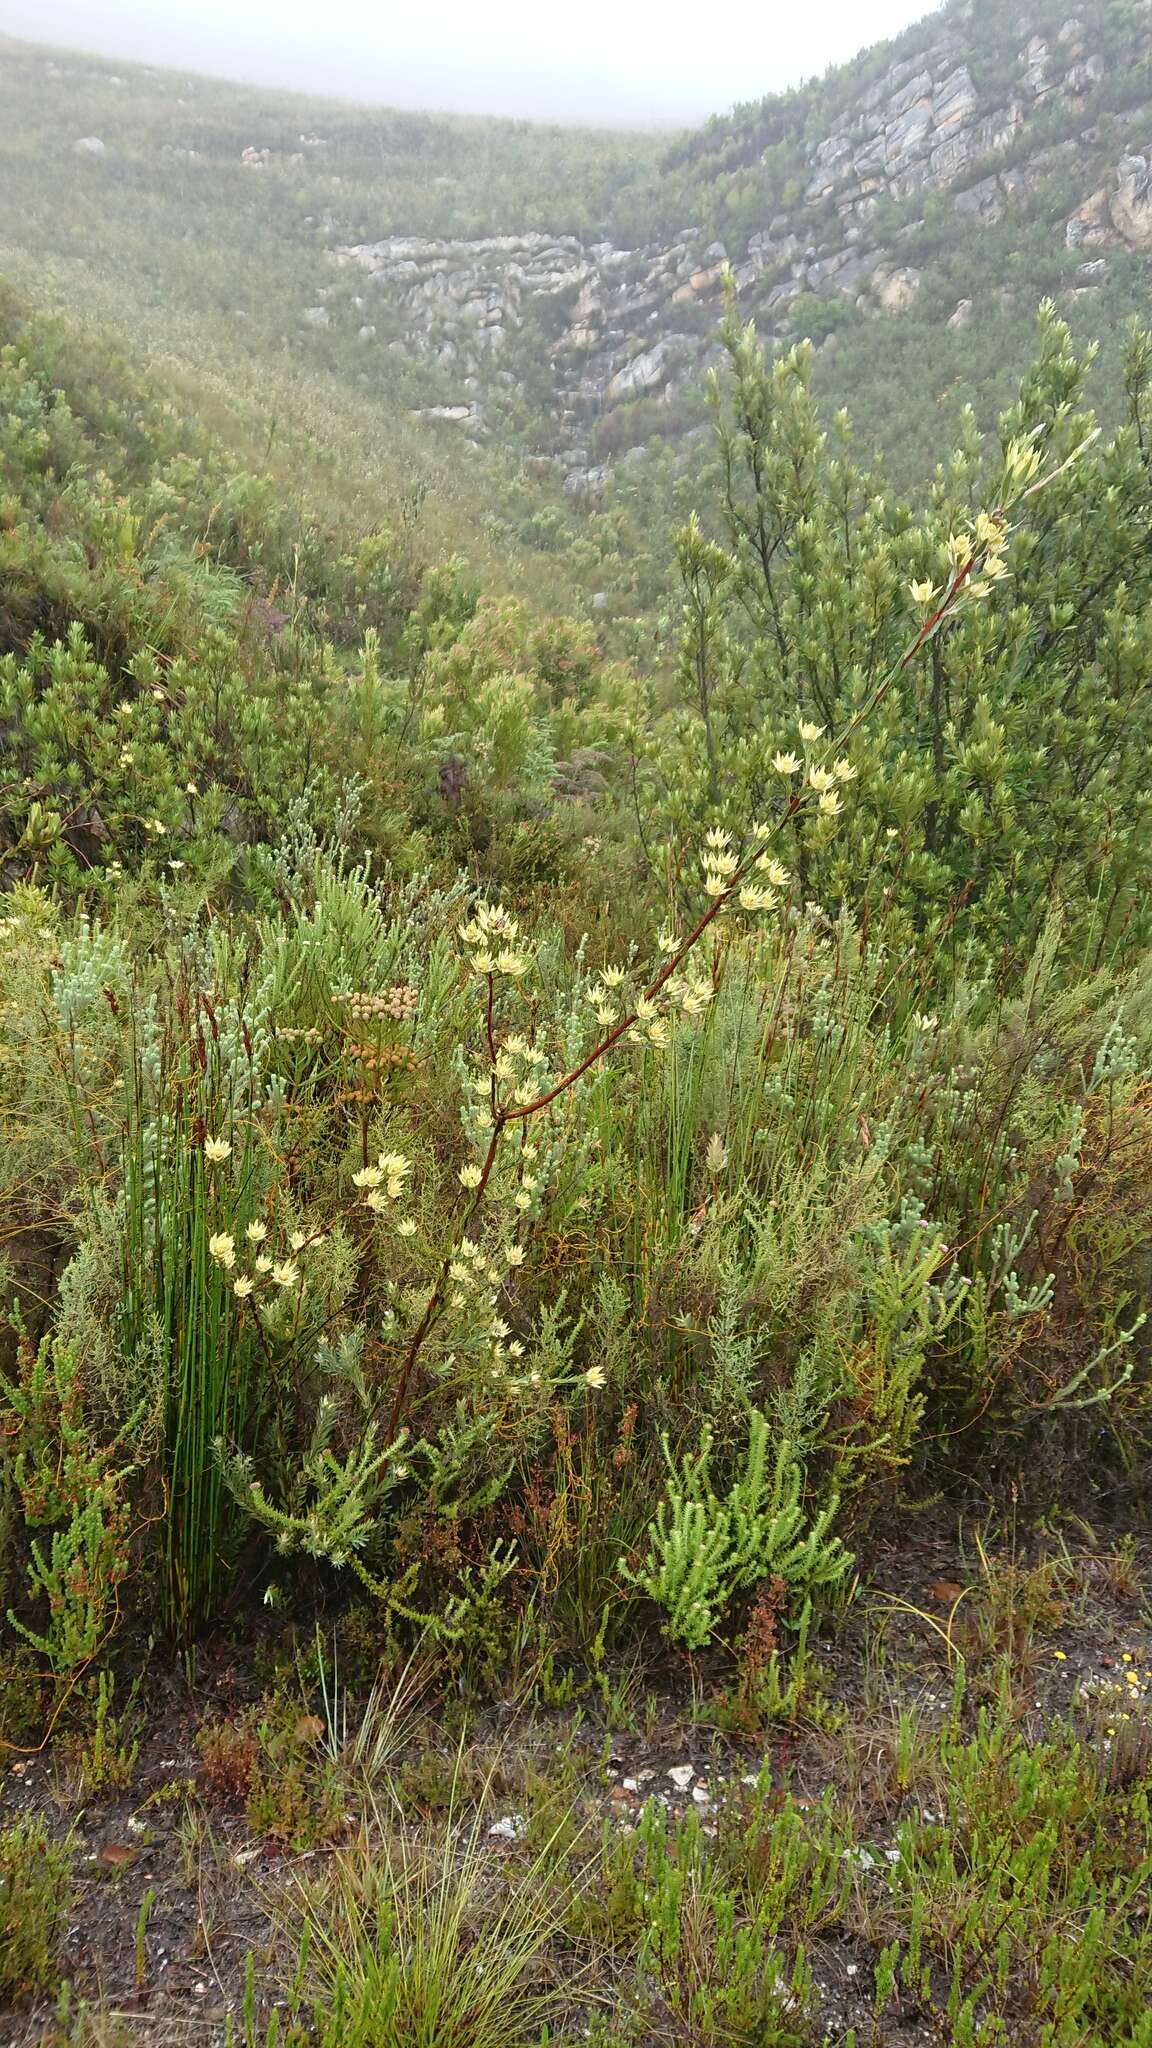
575 1387
524 317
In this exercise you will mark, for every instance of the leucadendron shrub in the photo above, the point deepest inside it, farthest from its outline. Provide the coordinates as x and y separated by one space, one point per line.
1004 773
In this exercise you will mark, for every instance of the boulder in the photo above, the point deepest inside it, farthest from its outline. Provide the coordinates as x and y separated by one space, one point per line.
1090 225
1035 58
962 317
584 483
453 414
985 200
645 372
90 145
1131 207
896 290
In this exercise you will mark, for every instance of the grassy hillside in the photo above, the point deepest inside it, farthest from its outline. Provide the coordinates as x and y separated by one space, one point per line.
178 253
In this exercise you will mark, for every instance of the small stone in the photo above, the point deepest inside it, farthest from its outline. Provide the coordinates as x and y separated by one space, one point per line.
681 1776
509 1828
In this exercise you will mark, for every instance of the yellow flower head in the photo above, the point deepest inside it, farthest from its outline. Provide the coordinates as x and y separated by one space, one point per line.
988 532
216 1150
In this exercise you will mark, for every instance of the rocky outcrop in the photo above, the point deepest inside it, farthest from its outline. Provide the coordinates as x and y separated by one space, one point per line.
1117 214
623 326
1131 207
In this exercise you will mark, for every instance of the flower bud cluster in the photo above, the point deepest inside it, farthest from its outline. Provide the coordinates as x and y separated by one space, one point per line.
399 1004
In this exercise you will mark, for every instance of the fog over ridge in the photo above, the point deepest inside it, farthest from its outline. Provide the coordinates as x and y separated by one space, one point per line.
645 63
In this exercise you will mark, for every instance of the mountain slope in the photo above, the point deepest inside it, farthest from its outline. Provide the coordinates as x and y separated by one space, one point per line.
534 309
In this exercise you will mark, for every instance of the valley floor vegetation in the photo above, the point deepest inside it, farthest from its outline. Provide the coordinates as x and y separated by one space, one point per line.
575 1393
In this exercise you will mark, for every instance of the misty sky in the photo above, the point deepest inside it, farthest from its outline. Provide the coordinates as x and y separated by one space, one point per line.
614 60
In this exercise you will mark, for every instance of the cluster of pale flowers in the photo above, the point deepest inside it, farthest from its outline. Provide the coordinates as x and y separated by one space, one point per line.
527 1187
721 863
265 1268
609 999
519 1073
822 782
476 1276
383 1185
491 937
986 542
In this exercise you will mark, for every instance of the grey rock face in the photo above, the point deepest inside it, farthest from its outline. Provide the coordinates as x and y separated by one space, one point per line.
585 483
614 318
